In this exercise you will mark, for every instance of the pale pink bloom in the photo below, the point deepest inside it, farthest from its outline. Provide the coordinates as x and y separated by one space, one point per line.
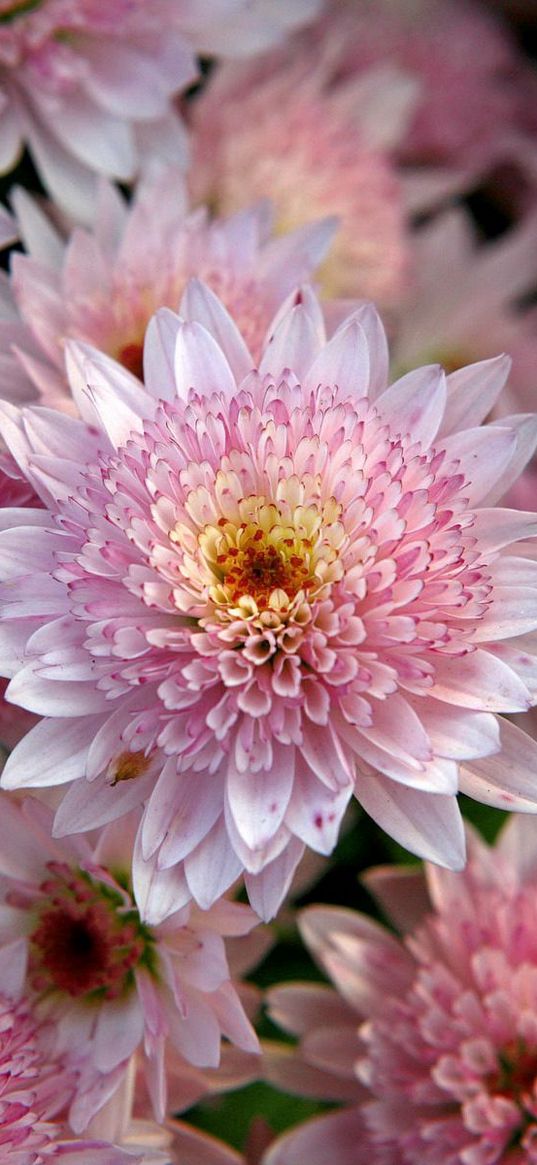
107 980
90 87
473 86
253 594
317 149
34 1088
103 285
448 1043
465 303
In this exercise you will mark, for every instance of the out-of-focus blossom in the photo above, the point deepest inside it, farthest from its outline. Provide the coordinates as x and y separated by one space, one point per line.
282 128
466 303
102 286
89 87
105 979
34 1088
474 89
447 1046
253 594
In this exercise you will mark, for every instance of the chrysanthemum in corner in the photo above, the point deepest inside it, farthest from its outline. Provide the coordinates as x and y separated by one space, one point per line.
108 983
34 1088
103 285
89 87
441 1029
253 594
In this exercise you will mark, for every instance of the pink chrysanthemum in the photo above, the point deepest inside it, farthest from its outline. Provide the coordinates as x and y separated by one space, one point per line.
317 149
89 87
255 593
107 981
102 286
469 72
34 1087
448 1046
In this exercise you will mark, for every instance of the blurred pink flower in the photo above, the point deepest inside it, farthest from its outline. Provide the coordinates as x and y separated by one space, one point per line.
470 73
465 302
106 980
253 594
34 1088
89 87
447 1046
317 149
103 285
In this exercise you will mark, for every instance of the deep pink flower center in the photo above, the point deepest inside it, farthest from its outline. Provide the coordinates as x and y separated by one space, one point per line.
517 1072
86 939
131 356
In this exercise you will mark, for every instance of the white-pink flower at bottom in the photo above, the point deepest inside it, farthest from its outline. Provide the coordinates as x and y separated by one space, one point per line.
34 1088
440 1029
108 983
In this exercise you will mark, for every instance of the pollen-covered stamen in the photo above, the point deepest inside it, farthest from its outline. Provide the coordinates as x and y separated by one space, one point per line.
86 938
267 554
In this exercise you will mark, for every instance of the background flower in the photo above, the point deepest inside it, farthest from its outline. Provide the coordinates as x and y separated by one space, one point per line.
103 285
106 981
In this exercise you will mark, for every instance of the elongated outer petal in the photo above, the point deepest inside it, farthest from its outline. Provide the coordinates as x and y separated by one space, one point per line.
212 867
415 404
344 361
106 393
201 1149
267 889
199 363
472 392
315 812
379 358
483 455
54 697
89 804
258 801
479 680
294 340
430 826
495 528
159 354
52 753
118 1031
200 304
158 893
507 780
524 426
340 1138
13 966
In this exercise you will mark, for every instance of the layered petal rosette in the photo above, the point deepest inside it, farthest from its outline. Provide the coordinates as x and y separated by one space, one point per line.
437 1032
253 593
34 1088
107 983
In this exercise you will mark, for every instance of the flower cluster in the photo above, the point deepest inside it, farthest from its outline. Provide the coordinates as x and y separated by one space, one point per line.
268 581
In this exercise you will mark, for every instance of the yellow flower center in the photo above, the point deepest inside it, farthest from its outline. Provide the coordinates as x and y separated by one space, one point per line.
269 557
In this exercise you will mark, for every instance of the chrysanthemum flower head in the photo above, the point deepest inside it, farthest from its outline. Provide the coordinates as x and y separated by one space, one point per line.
34 1088
317 149
103 285
105 980
89 87
254 593
448 1044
